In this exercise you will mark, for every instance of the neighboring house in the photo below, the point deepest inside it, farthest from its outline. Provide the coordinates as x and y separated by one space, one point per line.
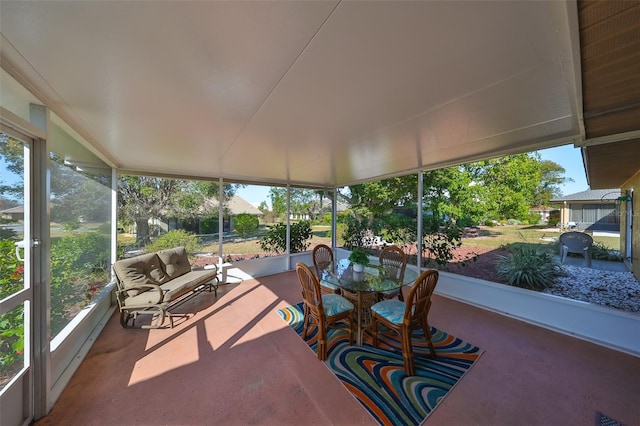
13 213
592 210
543 211
235 206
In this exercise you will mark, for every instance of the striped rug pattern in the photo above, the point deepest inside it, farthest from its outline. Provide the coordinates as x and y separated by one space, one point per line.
376 377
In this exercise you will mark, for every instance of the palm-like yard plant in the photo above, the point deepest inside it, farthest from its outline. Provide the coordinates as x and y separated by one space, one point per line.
529 267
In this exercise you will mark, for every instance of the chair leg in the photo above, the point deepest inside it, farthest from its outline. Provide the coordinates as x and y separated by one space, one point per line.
407 352
374 330
427 335
322 340
352 328
305 322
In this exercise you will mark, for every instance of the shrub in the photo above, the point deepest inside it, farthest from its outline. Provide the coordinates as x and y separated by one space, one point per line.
79 269
174 238
529 267
440 241
514 222
12 322
601 252
534 218
276 238
354 233
245 223
554 218
490 222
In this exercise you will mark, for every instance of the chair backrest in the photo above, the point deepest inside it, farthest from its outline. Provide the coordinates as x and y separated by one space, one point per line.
576 241
311 293
322 255
418 301
394 257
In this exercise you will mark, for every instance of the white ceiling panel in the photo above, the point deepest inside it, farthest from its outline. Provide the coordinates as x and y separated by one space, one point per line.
316 93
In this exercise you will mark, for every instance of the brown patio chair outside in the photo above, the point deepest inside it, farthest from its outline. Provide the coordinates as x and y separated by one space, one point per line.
395 261
576 242
322 256
324 309
404 317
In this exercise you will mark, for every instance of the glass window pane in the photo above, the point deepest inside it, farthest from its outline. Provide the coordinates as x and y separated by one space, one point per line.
254 223
80 201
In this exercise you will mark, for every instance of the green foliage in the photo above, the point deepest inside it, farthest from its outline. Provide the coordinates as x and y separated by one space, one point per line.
601 252
359 256
12 322
354 232
378 198
440 241
245 223
174 238
554 218
209 225
490 222
513 222
71 225
276 239
398 228
533 218
80 267
529 267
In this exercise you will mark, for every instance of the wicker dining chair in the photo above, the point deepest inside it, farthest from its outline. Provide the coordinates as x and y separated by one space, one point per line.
322 256
395 262
404 317
324 309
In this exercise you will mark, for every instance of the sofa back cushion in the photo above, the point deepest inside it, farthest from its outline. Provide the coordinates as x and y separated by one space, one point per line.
143 269
174 262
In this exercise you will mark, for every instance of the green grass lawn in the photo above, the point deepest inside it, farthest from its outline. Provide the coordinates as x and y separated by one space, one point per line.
499 236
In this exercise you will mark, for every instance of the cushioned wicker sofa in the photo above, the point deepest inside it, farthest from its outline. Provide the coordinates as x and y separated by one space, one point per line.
152 283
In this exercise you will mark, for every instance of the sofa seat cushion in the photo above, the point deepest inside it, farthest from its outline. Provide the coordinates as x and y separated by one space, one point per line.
184 283
174 262
143 269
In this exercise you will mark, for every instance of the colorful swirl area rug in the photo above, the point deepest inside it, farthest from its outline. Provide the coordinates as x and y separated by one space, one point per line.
376 377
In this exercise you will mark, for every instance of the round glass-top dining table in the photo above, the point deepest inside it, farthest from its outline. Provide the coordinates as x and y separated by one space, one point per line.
362 288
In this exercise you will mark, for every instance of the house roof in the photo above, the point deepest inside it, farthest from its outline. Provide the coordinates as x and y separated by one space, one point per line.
13 210
236 205
598 195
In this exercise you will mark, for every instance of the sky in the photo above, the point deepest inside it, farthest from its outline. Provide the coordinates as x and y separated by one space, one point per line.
571 159
567 156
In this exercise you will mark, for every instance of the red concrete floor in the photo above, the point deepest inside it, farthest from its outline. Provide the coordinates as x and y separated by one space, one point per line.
235 362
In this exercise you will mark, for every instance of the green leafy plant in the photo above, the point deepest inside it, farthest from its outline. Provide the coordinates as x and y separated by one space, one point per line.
440 241
529 267
12 322
601 252
245 223
174 238
276 239
359 256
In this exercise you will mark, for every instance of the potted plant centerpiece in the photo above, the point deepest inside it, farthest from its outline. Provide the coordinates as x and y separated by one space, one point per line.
359 259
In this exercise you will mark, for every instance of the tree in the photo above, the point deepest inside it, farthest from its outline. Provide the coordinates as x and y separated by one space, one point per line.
508 183
374 199
141 198
552 177
245 223
278 201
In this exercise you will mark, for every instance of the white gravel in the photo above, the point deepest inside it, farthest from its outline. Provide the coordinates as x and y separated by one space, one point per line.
619 290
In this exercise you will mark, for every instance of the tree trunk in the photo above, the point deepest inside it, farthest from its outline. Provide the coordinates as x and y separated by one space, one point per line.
142 232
